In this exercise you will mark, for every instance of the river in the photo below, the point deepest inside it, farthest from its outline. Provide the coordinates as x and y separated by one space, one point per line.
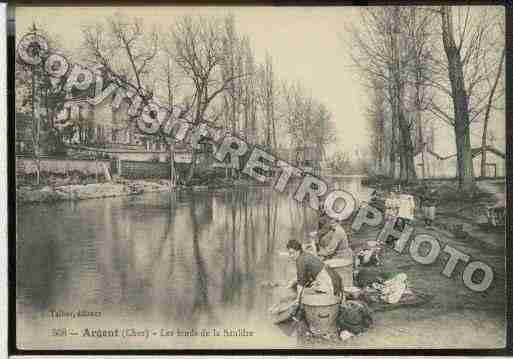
187 260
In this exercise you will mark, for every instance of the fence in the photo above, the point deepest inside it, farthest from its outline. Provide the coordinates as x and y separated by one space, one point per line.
142 169
123 168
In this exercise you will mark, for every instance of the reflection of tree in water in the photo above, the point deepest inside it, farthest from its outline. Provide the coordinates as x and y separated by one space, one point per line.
249 243
270 225
232 277
169 278
167 243
201 305
250 223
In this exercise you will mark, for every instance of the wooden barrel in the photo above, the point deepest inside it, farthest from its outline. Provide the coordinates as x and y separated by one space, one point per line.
321 311
344 267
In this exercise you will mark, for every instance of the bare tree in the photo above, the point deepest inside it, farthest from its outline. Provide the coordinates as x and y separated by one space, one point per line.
294 106
459 96
125 51
382 52
376 123
419 45
398 73
170 84
249 95
198 52
308 122
267 99
467 37
493 94
322 132
232 68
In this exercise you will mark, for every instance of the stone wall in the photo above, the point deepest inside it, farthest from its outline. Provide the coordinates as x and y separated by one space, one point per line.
25 165
128 168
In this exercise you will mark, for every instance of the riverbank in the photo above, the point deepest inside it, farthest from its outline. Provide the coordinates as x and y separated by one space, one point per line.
456 317
461 215
76 192
30 194
468 205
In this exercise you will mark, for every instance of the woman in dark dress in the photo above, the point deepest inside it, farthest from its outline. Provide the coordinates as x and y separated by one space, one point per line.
313 274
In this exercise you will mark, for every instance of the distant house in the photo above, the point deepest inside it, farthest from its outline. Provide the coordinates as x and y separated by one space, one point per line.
109 133
436 166
429 164
448 167
308 158
495 162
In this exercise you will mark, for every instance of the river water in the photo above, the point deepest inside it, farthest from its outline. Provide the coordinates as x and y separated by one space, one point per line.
158 262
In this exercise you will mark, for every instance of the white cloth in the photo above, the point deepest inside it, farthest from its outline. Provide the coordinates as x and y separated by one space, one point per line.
406 207
394 288
392 206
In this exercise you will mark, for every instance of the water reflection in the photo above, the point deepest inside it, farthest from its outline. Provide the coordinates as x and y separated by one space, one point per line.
184 259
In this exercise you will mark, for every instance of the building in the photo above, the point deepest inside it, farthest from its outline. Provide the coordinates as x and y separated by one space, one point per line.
429 164
437 166
495 162
308 158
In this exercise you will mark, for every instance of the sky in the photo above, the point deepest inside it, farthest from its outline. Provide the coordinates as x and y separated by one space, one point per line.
309 44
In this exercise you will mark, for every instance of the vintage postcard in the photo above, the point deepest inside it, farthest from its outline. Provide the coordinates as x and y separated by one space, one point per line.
260 177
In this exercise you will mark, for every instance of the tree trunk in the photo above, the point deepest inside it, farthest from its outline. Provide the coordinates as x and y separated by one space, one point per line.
460 102
200 109
483 149
170 101
172 173
407 164
393 141
192 167
464 157
421 142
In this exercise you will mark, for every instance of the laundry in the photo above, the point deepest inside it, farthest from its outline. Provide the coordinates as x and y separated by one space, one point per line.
336 292
392 289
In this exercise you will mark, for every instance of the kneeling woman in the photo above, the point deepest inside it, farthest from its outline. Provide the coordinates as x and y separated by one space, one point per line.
312 274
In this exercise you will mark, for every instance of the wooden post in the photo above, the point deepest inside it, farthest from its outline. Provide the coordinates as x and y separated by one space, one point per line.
172 164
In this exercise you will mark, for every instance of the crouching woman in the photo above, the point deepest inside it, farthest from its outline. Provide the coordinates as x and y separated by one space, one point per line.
313 276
